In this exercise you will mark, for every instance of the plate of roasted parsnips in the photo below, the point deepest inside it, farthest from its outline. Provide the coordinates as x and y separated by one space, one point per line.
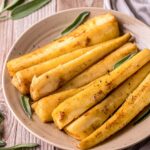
80 79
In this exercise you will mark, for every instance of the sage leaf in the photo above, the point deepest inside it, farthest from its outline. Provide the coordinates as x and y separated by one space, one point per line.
27 8
1 117
79 20
20 146
142 116
2 143
14 4
26 105
2 6
126 58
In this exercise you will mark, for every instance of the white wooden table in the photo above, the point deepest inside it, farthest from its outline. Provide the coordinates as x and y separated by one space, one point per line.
9 32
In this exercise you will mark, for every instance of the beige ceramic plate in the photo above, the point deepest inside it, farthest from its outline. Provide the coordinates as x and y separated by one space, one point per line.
42 33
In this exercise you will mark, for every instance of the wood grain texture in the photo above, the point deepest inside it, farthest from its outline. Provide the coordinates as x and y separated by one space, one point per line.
68 4
9 33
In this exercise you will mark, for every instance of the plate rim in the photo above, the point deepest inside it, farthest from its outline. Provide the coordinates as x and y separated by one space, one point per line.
11 50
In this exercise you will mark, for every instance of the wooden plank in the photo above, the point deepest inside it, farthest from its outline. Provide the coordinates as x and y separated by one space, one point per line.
68 4
9 32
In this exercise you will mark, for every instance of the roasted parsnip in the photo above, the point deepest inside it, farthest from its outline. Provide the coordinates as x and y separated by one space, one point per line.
45 106
75 106
96 116
50 81
100 68
93 31
22 79
133 105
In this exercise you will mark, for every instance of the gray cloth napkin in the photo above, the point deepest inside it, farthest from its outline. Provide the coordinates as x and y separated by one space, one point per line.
137 8
141 10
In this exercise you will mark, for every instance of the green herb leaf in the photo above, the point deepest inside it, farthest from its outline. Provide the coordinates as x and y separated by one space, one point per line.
2 143
20 146
27 8
79 20
11 5
3 4
14 4
26 105
142 116
1 117
126 58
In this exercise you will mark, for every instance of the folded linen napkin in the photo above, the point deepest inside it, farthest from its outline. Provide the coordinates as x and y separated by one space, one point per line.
137 8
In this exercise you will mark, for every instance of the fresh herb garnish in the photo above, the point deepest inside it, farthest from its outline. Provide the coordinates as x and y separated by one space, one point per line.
79 20
2 6
142 116
1 117
27 8
10 6
2 144
26 105
126 58
14 4
21 8
20 146
24 99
